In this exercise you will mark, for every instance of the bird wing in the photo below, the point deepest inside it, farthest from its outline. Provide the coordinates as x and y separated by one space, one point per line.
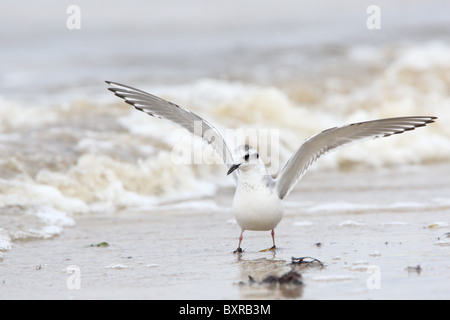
162 109
330 139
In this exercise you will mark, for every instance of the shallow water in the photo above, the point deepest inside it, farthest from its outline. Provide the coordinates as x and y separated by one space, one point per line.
393 251
71 152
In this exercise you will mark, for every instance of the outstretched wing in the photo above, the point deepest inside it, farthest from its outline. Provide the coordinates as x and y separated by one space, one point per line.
333 138
162 109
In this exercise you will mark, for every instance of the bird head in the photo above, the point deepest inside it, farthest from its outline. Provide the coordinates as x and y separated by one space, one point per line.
245 158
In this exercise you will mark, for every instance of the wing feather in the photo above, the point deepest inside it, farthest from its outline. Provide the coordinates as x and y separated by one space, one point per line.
319 144
166 110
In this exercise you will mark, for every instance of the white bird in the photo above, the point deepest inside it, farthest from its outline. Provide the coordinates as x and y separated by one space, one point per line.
257 203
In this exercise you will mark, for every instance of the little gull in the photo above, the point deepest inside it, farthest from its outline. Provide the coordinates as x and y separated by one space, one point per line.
257 203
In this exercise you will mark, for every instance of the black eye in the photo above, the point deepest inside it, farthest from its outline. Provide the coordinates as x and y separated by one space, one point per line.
246 157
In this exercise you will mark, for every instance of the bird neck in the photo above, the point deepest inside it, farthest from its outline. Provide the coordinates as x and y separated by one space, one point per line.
255 175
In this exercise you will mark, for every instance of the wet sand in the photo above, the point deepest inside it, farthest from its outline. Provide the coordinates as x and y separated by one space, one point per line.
380 235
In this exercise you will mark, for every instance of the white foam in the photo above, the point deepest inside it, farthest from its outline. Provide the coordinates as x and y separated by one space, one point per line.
117 266
5 240
343 206
31 210
302 223
394 223
127 161
28 193
52 216
145 182
351 223
334 278
237 105
195 205
432 55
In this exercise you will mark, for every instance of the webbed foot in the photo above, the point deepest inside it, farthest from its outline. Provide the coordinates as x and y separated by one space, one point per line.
273 248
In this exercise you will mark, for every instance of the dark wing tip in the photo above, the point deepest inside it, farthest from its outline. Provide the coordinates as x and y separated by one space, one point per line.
428 119
424 120
114 90
112 83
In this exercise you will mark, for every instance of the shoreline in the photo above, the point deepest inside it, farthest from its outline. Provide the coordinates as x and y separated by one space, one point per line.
188 255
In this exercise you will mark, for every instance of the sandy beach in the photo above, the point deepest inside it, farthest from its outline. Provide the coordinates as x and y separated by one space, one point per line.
396 247
100 201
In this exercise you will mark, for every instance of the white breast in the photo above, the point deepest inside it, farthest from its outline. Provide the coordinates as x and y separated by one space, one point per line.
256 205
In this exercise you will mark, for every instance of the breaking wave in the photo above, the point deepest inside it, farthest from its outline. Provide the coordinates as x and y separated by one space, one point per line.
62 159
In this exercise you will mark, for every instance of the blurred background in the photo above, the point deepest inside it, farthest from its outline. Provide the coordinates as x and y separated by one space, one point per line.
264 42
69 146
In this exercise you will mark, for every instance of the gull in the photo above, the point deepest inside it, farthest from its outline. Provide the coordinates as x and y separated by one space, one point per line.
258 199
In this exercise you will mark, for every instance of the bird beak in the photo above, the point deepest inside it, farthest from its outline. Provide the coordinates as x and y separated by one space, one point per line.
233 167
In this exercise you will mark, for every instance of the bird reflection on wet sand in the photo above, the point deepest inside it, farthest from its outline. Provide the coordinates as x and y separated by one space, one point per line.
270 278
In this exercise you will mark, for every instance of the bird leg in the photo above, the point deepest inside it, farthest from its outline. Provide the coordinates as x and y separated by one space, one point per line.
273 238
239 249
273 241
